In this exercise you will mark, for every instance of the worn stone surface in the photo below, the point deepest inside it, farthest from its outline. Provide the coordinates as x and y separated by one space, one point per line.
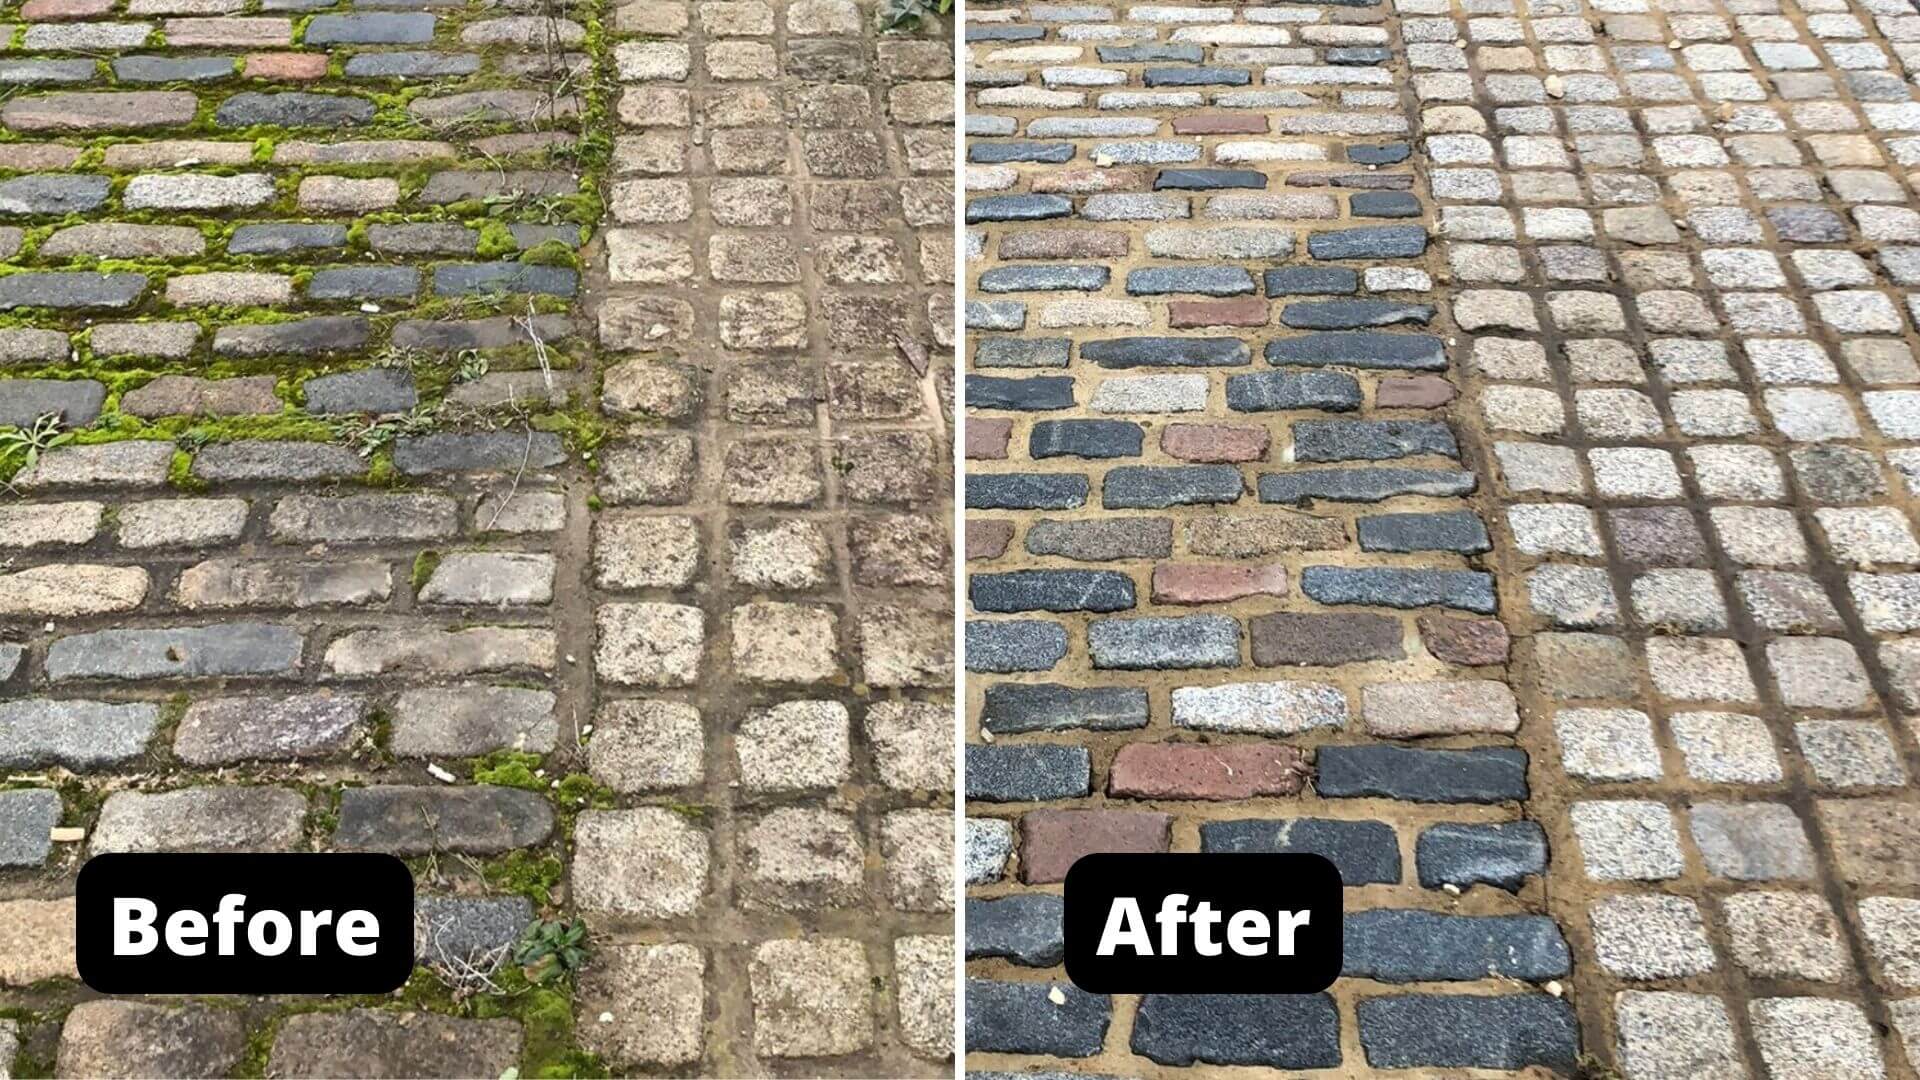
131 1038
373 1042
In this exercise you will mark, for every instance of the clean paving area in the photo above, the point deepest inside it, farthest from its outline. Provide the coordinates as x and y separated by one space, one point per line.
511 436
1468 441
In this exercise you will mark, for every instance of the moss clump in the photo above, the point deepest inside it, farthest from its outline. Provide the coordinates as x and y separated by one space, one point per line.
551 253
509 768
526 874
496 240
578 791
424 564
79 803
180 473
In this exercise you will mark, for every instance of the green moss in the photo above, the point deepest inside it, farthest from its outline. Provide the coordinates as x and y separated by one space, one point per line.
509 768
578 791
583 430
525 873
180 473
424 564
496 240
79 804
551 253
690 811
253 1063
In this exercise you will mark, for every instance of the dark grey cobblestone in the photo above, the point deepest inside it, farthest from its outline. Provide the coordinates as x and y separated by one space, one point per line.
1018 1018
1509 1031
1488 775
1024 929
1502 855
1027 773
1278 1031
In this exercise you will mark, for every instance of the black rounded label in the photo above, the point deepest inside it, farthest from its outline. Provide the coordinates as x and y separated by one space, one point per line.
1228 923
244 924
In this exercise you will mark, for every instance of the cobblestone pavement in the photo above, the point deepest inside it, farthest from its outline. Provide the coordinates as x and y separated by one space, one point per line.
389 503
1320 352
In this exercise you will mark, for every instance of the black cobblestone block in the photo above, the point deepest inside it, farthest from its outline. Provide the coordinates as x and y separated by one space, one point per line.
1502 855
1157 487
1398 946
994 153
1026 491
1132 352
1007 279
1365 852
1051 590
1362 485
1208 179
1278 1031
1390 352
1379 153
285 239
1018 1018
504 277
1462 1031
1024 929
1013 708
1198 280
1197 76
1369 242
293 110
1018 208
1480 775
1457 530
1282 391
1009 645
1037 394
1400 587
1385 204
1353 314
364 283
1022 352
375 390
228 650
1312 281
1085 439
1371 440
1148 53
1027 773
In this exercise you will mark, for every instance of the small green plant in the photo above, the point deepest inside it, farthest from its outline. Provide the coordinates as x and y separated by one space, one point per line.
551 949
371 437
25 445
473 367
900 16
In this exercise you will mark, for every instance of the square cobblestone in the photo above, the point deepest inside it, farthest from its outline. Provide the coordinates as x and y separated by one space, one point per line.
1726 748
1751 841
1672 1034
1850 753
1785 935
1807 1038
1627 840
1607 744
1650 937
811 998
